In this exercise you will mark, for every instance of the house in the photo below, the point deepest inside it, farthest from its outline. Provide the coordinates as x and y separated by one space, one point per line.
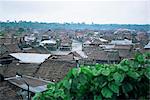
123 34
107 46
147 47
29 38
30 57
125 48
13 48
62 55
39 66
121 42
87 43
25 63
8 40
23 68
125 51
142 38
102 56
3 50
25 87
94 41
79 54
46 34
54 70
9 91
51 44
37 49
35 85
65 44
90 48
6 49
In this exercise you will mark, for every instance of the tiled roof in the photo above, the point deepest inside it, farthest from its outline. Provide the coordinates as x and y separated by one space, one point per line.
102 55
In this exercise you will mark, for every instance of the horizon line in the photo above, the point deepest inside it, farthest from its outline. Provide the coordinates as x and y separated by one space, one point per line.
8 21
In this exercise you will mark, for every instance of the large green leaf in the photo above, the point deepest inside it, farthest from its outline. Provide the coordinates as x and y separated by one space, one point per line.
113 68
114 87
147 72
51 85
98 66
76 72
125 62
83 79
59 93
123 67
110 77
140 58
118 77
67 84
96 72
87 71
133 74
106 92
127 87
97 97
106 72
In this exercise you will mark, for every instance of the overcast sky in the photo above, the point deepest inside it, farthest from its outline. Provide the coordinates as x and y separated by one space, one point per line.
101 12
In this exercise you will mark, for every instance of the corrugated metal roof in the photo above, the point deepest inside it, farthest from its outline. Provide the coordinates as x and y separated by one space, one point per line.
147 46
103 40
48 42
60 52
82 54
30 57
35 85
121 42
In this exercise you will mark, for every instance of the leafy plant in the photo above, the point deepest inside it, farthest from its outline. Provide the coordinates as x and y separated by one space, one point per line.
127 80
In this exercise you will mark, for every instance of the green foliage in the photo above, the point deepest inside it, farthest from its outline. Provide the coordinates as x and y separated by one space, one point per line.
73 26
106 92
114 87
127 80
118 77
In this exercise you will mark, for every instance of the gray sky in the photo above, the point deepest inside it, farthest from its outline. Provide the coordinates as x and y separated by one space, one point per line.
102 12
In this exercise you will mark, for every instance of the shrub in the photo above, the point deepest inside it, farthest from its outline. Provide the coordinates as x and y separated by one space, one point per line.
127 80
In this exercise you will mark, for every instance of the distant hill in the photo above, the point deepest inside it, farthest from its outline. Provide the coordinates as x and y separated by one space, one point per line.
74 26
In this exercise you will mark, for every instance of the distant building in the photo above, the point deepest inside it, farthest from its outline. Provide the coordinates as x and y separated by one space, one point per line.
51 44
29 38
124 47
147 47
121 42
95 42
8 40
98 55
65 44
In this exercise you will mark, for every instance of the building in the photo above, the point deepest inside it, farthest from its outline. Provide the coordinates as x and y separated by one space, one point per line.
99 55
124 47
147 47
51 44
